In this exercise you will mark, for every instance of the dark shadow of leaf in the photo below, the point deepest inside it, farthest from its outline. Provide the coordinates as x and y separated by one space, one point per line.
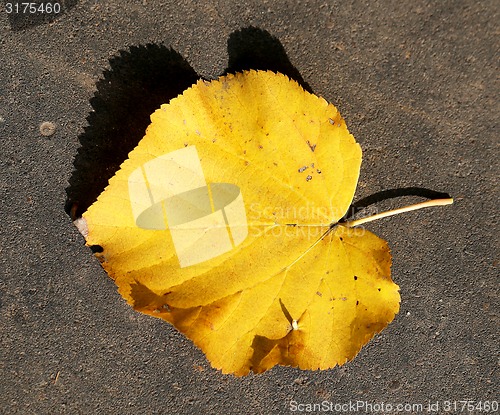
254 48
137 83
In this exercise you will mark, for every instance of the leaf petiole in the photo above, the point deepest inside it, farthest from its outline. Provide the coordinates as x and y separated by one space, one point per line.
428 203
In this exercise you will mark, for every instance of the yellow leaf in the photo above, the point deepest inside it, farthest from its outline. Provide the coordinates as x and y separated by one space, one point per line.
223 221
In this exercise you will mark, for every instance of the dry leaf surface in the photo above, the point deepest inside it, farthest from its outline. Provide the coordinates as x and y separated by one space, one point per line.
220 223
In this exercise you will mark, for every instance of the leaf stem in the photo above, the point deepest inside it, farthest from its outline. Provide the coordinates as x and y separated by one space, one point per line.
428 203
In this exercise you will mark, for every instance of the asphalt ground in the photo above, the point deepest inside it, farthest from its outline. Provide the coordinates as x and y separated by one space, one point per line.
416 81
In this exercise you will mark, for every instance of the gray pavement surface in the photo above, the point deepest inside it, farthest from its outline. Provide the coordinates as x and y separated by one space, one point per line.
417 84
